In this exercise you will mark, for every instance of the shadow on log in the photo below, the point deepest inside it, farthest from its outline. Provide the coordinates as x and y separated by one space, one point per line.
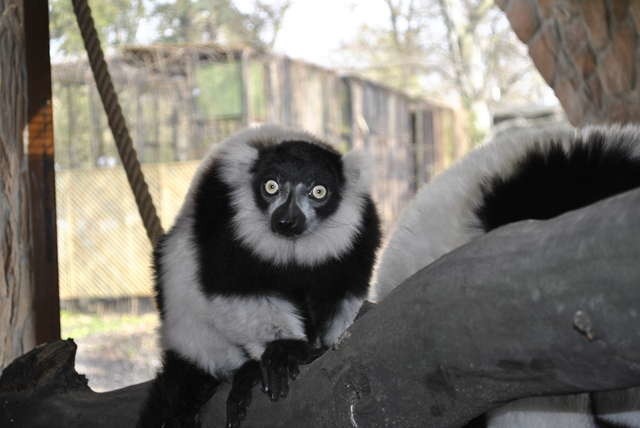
533 308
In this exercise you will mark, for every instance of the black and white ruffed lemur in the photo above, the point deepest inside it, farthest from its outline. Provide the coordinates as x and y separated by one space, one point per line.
522 174
269 259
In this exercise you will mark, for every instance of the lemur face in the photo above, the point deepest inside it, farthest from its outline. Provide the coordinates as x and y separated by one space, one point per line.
297 185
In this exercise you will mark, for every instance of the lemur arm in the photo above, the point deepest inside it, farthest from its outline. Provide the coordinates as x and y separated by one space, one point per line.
281 359
278 364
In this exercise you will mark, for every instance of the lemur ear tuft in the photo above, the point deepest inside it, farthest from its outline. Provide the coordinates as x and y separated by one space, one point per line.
358 167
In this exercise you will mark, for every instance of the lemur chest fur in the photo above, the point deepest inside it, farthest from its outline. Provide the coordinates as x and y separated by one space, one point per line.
314 293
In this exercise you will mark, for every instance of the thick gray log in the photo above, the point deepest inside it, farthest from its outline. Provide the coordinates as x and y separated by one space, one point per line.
532 308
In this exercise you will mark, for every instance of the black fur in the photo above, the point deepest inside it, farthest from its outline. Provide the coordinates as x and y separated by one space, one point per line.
244 379
157 278
549 182
177 394
279 363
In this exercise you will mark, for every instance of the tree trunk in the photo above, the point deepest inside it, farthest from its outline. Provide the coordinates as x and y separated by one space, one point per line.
587 51
17 333
532 308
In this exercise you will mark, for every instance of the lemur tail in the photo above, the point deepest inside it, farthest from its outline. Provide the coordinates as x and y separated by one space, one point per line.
177 394
553 180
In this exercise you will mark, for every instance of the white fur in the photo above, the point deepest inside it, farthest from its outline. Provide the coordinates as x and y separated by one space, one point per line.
332 238
215 333
441 218
542 412
343 318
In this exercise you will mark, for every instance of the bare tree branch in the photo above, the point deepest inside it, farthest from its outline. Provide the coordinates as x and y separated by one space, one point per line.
393 18
455 49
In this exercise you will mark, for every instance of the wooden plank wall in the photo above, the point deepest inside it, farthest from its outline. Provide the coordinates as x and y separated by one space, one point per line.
381 125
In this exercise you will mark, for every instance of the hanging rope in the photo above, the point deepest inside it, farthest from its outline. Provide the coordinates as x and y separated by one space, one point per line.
116 121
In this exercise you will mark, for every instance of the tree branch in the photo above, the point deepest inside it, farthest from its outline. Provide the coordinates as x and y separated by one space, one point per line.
533 308
455 51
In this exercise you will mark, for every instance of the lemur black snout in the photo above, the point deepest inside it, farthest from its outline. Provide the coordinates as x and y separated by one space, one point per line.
288 225
288 220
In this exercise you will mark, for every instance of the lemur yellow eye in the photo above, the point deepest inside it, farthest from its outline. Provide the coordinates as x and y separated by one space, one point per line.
319 192
271 187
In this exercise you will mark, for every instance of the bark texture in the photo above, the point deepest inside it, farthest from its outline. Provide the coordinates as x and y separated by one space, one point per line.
16 289
587 51
533 308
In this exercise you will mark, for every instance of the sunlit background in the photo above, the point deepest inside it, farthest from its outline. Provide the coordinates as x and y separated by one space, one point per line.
417 83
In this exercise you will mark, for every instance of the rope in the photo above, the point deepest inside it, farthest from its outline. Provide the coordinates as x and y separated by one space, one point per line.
117 122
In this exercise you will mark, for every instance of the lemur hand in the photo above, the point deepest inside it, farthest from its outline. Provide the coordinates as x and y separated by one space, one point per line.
280 362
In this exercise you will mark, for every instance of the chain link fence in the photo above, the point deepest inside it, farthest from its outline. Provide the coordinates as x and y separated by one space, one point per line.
102 247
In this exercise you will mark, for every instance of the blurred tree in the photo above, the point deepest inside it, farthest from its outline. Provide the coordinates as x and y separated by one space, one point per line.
179 21
185 21
267 20
117 22
460 48
195 21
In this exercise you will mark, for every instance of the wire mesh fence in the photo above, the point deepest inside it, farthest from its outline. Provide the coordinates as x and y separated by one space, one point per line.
103 249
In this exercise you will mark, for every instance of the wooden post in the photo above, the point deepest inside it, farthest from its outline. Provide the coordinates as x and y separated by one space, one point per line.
41 171
17 333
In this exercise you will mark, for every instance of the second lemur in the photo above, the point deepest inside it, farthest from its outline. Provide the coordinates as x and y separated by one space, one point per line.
270 257
523 174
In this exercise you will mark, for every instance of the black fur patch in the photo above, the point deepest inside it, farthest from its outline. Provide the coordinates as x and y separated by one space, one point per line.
177 394
478 422
228 268
548 182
